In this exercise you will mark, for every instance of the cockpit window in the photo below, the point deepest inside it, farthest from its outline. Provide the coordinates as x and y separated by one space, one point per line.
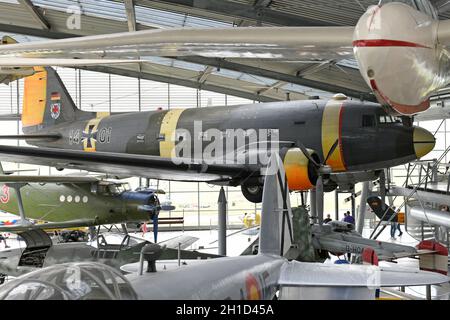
385 119
70 281
368 120
423 6
116 189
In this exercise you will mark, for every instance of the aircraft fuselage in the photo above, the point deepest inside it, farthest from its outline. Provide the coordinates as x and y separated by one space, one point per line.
368 138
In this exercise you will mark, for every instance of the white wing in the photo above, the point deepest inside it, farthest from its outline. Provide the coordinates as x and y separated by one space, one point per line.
280 43
318 274
31 62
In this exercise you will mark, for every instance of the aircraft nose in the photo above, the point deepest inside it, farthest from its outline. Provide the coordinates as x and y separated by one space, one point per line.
423 141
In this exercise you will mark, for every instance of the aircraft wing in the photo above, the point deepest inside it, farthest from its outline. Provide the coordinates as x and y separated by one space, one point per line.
296 273
279 43
46 179
30 62
50 225
126 164
184 240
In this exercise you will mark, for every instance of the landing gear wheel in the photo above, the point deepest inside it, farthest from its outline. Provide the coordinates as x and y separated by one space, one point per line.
252 193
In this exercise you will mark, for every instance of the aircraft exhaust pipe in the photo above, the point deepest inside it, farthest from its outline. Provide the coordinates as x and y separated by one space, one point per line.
431 216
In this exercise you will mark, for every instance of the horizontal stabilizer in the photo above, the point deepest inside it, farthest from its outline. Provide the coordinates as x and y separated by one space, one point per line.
184 241
296 273
31 137
10 117
436 260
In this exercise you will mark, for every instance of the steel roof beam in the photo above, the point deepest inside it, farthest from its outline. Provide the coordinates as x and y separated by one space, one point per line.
221 63
182 82
37 15
276 85
204 75
131 15
241 11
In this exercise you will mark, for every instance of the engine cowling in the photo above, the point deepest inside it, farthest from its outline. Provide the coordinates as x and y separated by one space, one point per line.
399 56
300 172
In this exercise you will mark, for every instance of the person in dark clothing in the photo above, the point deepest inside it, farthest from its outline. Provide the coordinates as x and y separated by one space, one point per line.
2 238
349 218
328 219
399 229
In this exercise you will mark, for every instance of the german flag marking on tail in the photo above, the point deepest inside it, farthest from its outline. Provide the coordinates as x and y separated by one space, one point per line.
332 131
55 96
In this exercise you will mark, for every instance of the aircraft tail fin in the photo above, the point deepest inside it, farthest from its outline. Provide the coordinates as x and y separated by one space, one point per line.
46 101
276 233
436 260
369 256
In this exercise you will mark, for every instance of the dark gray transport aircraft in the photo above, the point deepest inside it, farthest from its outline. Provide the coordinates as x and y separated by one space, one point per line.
336 141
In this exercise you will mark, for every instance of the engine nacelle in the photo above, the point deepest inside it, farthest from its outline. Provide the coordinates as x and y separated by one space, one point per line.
300 172
399 56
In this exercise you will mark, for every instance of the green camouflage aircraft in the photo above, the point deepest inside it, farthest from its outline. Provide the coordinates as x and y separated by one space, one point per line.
71 201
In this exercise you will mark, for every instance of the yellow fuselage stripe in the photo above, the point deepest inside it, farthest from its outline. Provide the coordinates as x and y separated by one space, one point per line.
168 127
93 122
331 130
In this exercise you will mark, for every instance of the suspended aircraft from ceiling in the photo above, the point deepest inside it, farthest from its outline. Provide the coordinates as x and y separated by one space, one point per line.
401 49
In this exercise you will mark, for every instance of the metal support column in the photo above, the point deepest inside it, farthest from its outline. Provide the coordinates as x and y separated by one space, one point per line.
353 204
17 187
362 206
319 199
428 292
336 205
383 186
312 205
222 223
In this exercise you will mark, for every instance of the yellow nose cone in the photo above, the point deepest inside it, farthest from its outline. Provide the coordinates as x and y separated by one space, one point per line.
424 142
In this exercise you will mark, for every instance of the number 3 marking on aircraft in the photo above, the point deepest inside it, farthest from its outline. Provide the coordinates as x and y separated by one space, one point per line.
5 196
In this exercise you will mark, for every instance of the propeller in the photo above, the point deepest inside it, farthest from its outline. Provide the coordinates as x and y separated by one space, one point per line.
322 169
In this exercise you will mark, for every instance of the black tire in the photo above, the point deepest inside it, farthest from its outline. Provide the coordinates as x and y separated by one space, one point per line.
252 193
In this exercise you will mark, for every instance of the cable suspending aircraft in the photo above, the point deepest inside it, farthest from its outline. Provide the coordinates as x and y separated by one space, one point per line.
401 48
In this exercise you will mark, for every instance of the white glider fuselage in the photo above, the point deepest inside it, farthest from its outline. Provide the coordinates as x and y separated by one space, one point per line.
400 56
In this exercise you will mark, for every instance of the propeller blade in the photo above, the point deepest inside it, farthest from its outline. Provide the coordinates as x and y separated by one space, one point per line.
167 208
306 153
333 147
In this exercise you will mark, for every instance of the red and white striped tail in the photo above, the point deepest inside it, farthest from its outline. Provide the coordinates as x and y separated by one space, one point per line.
369 256
436 261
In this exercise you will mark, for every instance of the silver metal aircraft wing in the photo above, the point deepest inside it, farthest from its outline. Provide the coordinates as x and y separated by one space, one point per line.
50 225
279 43
126 164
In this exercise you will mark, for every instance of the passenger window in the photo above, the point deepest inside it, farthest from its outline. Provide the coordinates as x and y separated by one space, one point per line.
368 121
